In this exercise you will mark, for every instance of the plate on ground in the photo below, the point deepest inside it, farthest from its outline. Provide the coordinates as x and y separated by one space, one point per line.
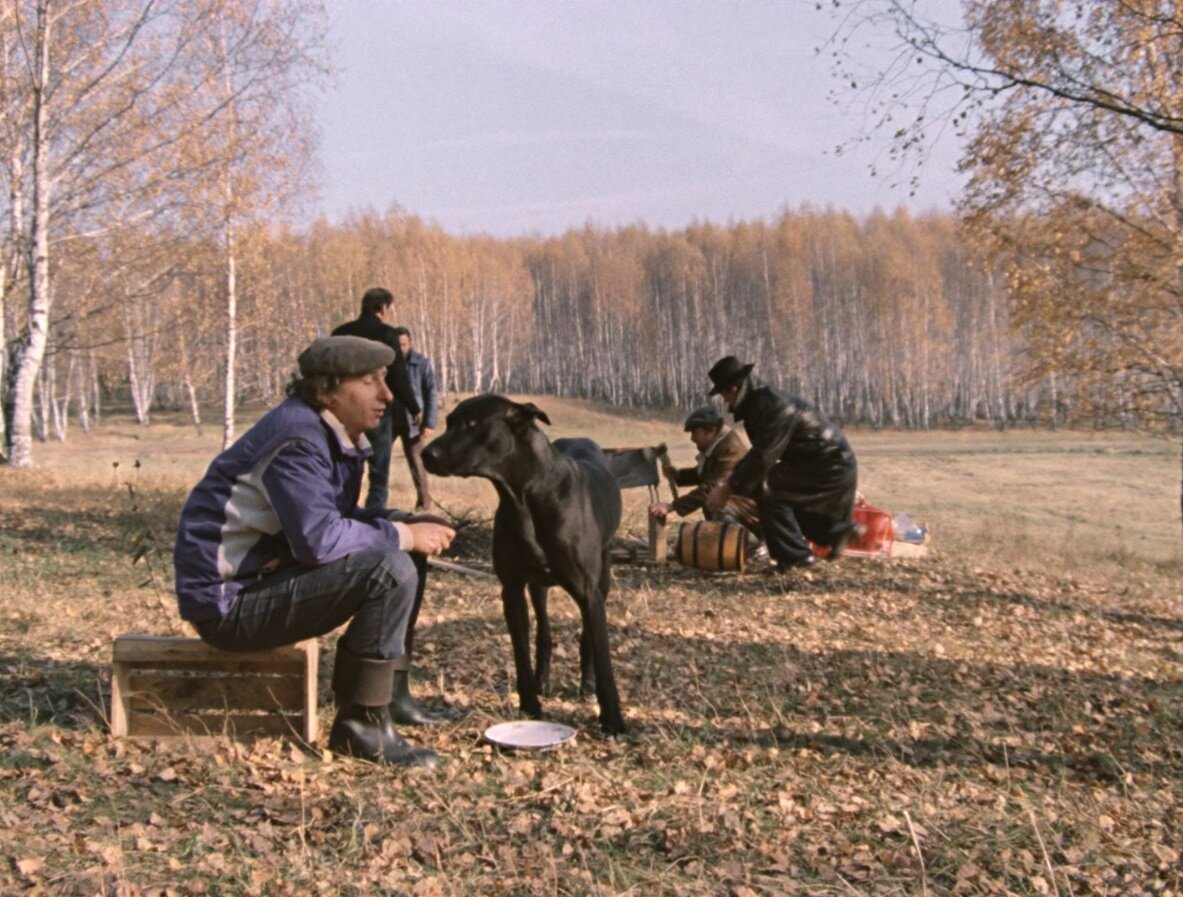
529 735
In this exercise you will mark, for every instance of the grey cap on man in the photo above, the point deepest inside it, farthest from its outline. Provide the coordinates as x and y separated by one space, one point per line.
344 356
704 416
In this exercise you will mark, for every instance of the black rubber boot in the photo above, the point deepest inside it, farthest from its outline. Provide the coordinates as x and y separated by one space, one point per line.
405 710
368 734
363 728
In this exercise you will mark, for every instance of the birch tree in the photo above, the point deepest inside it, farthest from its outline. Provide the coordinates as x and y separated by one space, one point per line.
262 57
104 105
85 88
1075 118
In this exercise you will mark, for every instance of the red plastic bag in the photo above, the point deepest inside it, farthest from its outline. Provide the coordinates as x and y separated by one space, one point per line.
876 533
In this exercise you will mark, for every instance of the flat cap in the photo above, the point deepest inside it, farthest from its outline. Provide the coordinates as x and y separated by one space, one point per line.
704 416
344 356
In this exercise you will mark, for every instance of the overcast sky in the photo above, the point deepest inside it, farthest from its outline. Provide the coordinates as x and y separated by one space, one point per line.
515 117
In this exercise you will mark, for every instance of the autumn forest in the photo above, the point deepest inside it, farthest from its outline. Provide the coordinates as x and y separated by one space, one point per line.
158 157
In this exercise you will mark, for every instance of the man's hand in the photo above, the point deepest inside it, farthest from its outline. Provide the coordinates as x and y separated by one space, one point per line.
431 538
718 497
659 510
671 475
426 432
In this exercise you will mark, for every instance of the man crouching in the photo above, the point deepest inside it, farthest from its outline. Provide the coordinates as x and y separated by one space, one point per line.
272 547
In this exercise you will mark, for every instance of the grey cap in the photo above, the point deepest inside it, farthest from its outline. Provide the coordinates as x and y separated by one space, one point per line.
344 356
705 416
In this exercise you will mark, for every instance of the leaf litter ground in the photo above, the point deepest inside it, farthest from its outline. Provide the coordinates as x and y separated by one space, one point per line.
871 727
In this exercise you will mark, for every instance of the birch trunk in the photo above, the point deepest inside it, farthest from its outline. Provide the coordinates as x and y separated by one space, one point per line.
96 391
61 404
190 389
137 378
33 352
44 394
81 364
231 338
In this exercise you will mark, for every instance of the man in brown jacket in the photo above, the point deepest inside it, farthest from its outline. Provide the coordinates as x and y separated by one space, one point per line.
720 448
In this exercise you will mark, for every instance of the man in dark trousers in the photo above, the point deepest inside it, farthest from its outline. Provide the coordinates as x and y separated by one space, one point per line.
272 548
377 307
800 469
413 432
720 448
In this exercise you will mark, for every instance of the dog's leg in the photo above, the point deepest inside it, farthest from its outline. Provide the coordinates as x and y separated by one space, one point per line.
517 620
595 622
587 666
584 587
591 600
543 642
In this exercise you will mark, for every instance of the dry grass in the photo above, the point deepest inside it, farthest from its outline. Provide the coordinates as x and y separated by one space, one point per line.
1002 717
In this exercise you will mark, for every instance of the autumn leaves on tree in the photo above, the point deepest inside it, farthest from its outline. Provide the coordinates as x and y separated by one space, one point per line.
116 118
153 151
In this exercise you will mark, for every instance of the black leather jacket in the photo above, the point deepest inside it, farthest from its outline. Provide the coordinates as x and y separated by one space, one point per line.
398 381
797 454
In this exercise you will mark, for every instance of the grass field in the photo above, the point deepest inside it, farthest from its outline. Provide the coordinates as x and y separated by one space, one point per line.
1003 716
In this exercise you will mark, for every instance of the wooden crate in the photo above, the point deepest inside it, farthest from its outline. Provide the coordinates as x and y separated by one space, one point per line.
164 687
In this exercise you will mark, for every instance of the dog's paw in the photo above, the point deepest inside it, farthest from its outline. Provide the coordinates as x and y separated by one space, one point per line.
613 725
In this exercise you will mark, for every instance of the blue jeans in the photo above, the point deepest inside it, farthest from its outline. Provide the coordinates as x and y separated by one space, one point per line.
377 592
382 442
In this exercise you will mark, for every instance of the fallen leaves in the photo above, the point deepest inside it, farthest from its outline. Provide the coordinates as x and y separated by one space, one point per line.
874 729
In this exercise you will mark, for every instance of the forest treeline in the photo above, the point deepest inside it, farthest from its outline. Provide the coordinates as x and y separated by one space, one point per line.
884 321
152 151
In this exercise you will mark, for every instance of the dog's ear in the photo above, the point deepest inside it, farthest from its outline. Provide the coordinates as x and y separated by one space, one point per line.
529 411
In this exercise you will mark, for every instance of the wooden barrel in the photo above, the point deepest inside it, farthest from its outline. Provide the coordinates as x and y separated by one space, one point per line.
708 545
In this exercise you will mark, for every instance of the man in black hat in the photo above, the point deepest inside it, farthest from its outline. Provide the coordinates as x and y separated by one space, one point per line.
720 448
800 470
272 548
377 306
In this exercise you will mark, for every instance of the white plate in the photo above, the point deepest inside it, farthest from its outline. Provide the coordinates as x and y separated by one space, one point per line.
530 735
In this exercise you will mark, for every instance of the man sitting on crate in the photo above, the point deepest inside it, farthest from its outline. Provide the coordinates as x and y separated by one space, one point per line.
720 448
800 470
272 547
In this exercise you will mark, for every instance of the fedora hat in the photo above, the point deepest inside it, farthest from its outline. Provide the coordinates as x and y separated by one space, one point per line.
726 372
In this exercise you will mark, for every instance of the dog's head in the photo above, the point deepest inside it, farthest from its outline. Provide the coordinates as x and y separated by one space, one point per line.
482 434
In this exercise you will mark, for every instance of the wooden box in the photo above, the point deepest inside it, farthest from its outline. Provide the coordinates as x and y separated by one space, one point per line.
164 687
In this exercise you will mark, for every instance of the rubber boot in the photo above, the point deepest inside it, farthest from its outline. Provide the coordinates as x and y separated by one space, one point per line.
363 727
367 733
404 709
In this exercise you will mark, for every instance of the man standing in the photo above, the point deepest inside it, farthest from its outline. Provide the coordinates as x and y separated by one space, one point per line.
272 548
377 306
720 448
800 470
414 431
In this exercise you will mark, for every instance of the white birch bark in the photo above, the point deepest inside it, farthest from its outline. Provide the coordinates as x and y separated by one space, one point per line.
33 351
228 403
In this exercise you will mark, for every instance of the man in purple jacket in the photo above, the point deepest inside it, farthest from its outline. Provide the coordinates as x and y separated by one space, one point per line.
272 547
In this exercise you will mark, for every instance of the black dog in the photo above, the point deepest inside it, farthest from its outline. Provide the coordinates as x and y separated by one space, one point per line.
559 508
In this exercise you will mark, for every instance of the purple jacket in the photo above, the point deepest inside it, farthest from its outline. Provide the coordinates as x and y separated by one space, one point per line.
285 493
